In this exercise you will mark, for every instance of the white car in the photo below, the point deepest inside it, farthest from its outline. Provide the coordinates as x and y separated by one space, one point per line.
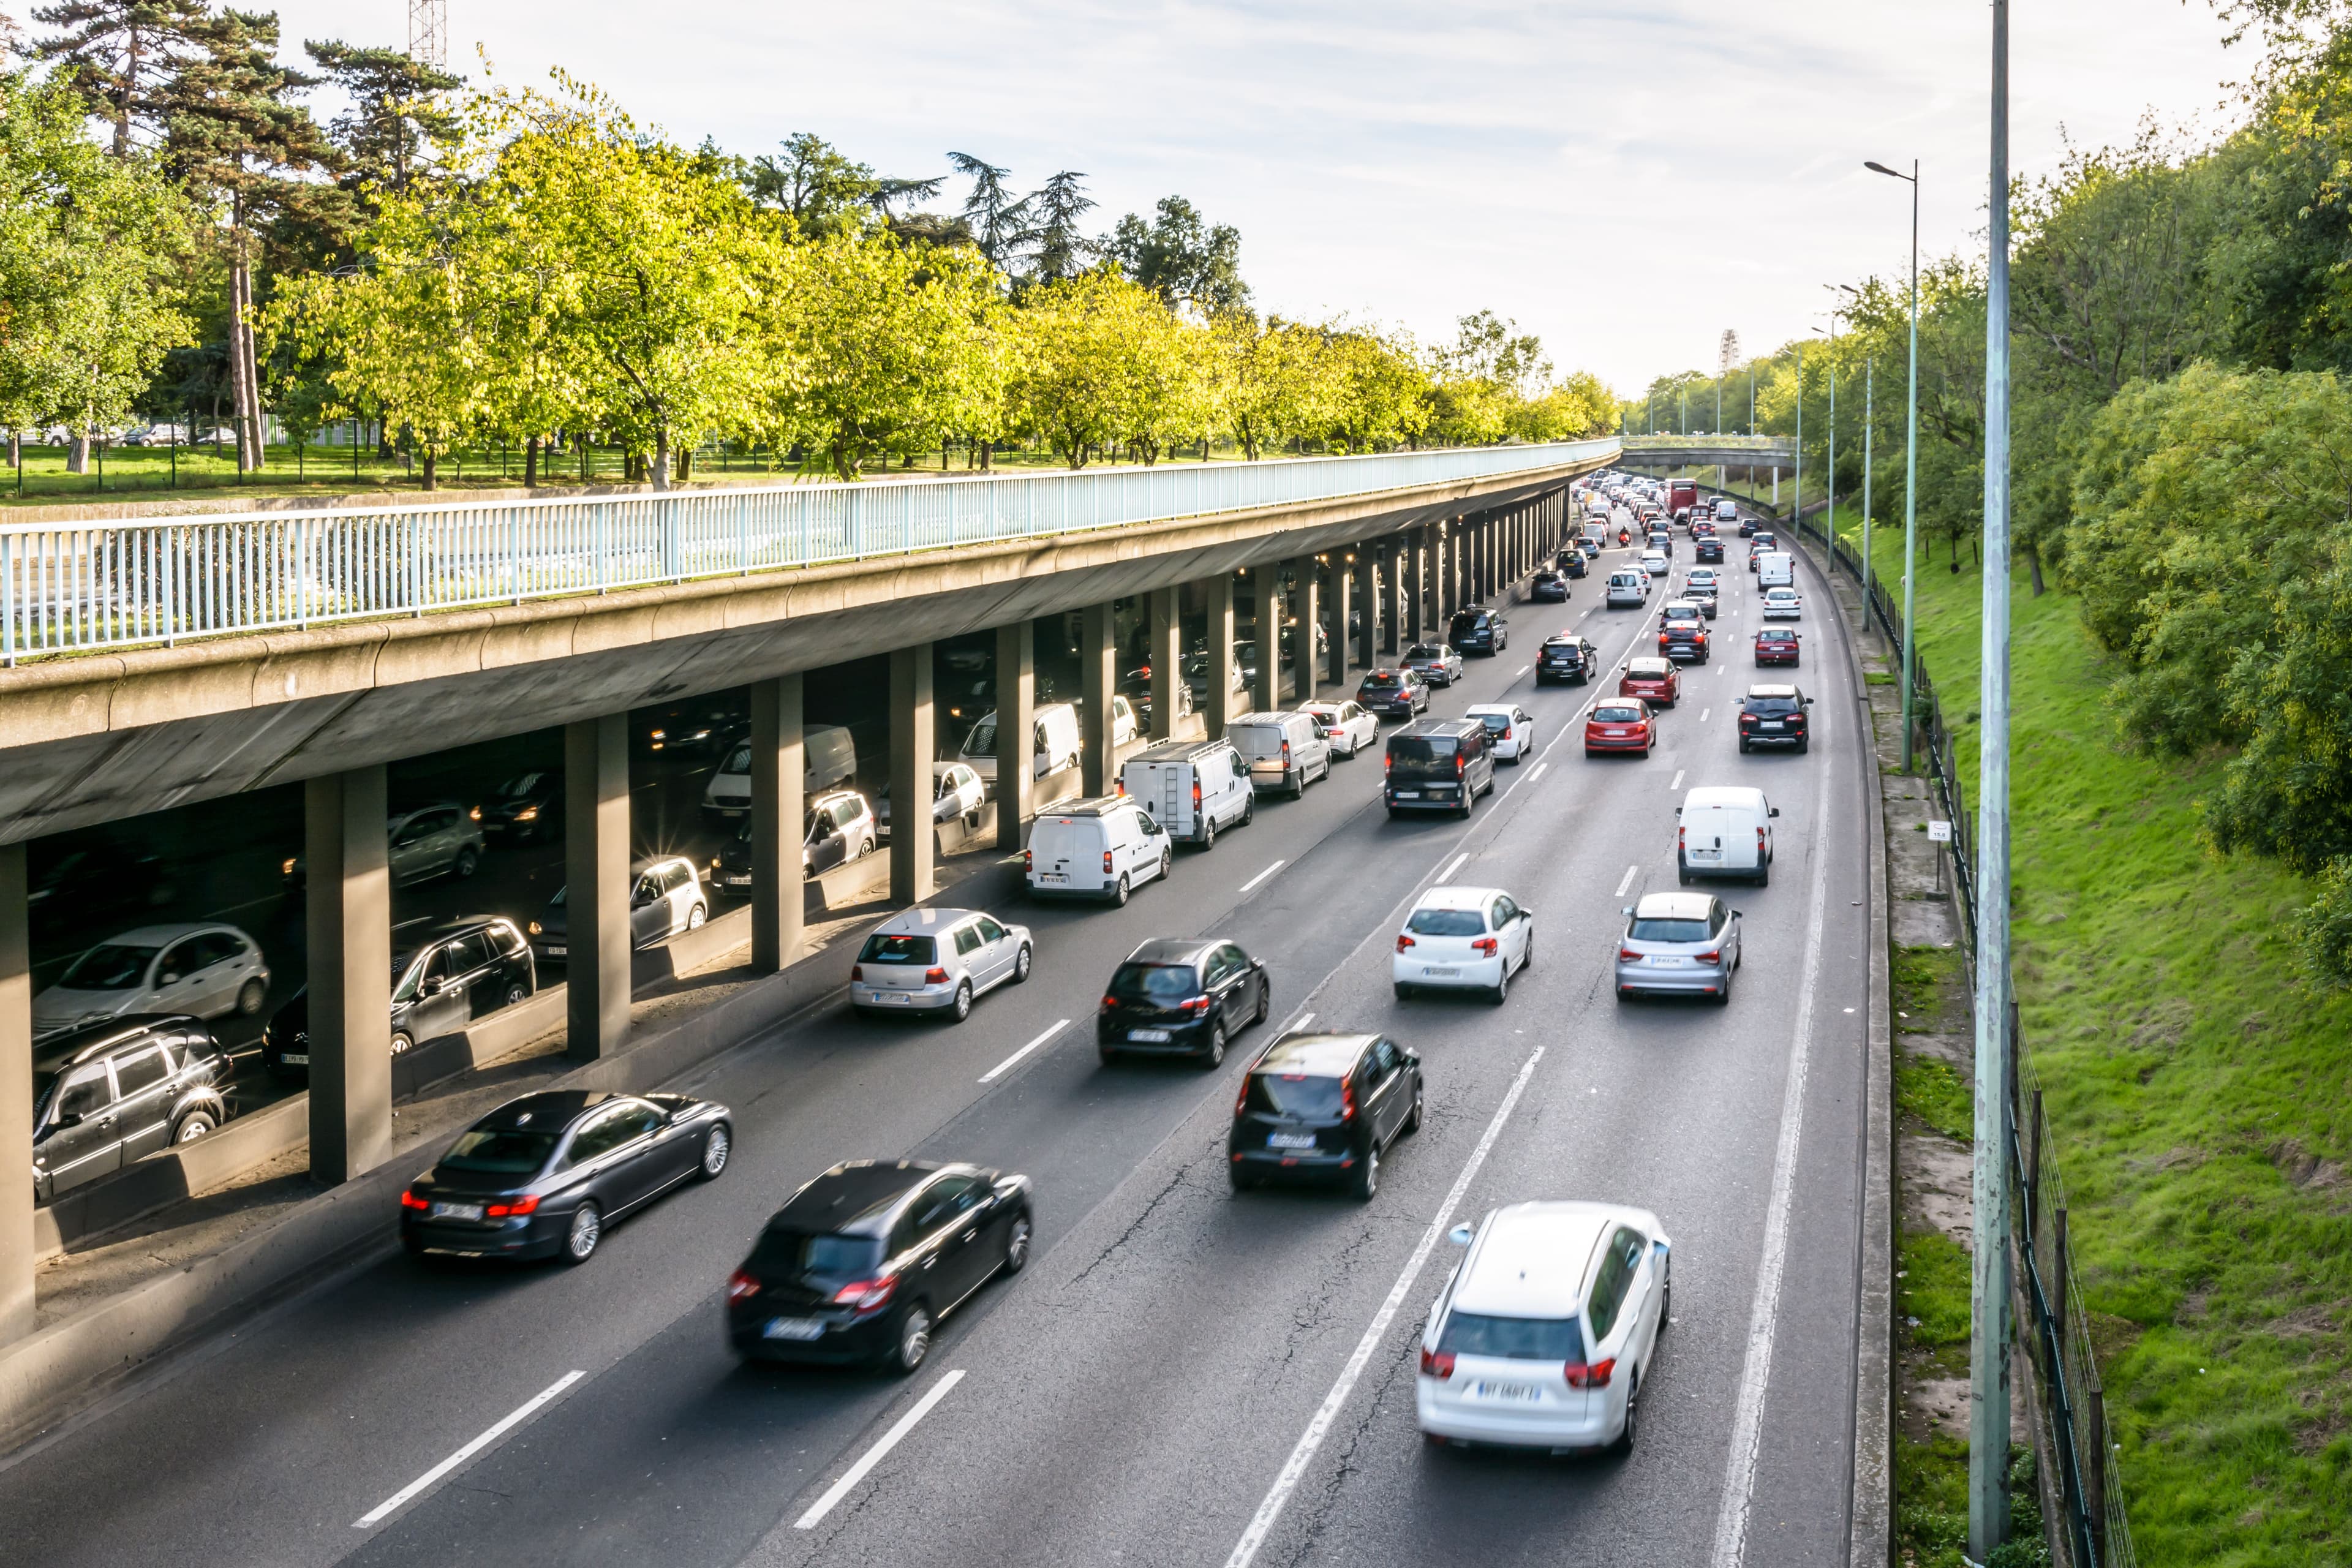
937 961
1509 728
1630 587
1655 562
204 970
1546 1332
957 791
1464 939
1782 605
1346 726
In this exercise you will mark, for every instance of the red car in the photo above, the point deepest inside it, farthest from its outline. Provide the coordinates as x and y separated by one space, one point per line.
1620 724
1776 644
1654 680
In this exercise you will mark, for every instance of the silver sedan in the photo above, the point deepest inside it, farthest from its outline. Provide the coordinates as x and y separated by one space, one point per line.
1686 944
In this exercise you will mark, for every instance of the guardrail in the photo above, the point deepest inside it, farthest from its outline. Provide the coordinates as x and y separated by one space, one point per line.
1760 443
114 582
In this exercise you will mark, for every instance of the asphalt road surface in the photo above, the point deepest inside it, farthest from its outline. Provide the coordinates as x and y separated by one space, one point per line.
1182 1376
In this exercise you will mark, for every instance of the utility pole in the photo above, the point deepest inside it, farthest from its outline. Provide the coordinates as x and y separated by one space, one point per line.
1988 1392
1797 506
1869 391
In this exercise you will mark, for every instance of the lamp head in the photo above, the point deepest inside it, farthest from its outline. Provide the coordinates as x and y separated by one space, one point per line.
1879 168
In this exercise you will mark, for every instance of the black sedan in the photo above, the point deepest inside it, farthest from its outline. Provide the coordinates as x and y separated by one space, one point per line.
527 807
864 1261
1181 996
542 1176
1322 1107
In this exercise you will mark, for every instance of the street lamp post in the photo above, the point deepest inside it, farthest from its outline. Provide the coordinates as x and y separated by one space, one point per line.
1869 391
1829 488
1797 505
1910 458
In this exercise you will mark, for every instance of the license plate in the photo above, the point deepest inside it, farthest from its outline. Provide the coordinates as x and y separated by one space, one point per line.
1052 876
1517 1393
1290 1140
1434 972
556 950
1149 1037
1408 795
743 881
1770 724
793 1328
295 1059
457 1211
892 998
1669 962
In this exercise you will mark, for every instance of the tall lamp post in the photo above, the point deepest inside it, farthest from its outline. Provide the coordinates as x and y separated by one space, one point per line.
1911 452
1830 488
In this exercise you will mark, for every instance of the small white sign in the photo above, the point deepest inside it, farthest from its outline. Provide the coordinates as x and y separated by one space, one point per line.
1939 833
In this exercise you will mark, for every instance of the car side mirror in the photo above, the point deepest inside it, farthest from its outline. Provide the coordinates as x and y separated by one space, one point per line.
1462 1235
1771 811
169 977
1739 915
1627 911
641 899
431 986
66 1119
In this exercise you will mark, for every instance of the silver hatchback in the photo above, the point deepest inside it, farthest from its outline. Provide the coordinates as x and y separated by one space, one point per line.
1686 944
937 961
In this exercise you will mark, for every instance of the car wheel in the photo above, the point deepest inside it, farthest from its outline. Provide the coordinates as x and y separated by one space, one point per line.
1215 1054
963 1009
402 1043
1016 1245
1249 808
1630 1432
1021 962
1743 745
1118 893
1723 998
465 862
1803 746
1167 859
1403 991
1106 1054
1764 875
913 1341
249 996
695 916
1368 1175
193 1126
581 1236
1502 990
1413 1117
718 1144
517 994
1264 1000
1242 1181
1208 833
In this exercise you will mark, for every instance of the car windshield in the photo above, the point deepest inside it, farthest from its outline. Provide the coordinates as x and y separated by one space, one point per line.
739 760
1446 923
789 1252
1512 1339
897 948
1784 635
1154 983
522 786
499 1150
1409 755
1383 680
1296 1093
1666 931
108 966
1468 621
1617 714
983 739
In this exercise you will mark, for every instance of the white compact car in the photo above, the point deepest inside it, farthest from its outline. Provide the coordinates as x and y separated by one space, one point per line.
937 961
1546 1332
1464 939
1655 562
1782 605
1346 726
203 970
1509 728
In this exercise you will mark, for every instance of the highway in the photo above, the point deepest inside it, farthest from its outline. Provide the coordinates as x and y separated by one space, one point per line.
1182 1376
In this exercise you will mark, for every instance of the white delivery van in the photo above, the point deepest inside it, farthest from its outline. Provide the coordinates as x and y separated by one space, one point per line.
1629 585
828 759
1055 748
1101 848
1284 750
1193 788
1776 569
1726 831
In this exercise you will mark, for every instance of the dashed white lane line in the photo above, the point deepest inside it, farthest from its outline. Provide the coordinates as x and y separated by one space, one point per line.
1631 872
1057 1026
1295 1025
1262 876
1523 669
875 1456
1538 773
1703 714
433 1477
1678 781
1453 865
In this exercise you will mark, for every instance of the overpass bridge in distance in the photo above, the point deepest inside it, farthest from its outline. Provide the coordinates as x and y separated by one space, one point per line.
1660 452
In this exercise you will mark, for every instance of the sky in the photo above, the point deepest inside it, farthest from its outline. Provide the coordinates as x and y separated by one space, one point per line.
1626 180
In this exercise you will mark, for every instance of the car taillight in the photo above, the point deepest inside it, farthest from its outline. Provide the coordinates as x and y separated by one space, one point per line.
409 1200
1403 941
1106 862
1196 1005
1461 763
1196 797
742 1287
1626 956
1436 1364
865 1295
1682 837
1347 1101
1028 859
1111 1004
514 1210
856 973
1712 955
935 975
1759 846
1595 1375
1486 944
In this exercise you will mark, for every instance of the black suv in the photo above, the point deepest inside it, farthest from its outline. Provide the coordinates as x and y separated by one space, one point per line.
1708 549
1477 631
1181 996
1774 716
1322 1107
1393 691
1682 631
1566 656
1439 764
117 1092
445 974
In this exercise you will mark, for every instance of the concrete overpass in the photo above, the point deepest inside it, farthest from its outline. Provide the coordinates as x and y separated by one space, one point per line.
1663 452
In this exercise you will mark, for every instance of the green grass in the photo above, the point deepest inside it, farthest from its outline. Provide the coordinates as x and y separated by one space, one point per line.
1930 1090
2200 1103
1934 1291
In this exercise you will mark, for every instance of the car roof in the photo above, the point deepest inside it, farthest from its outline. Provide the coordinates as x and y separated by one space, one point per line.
923 920
1723 794
827 798
1099 806
1532 1260
1674 906
97 1041
1781 588
1264 716
1450 728
1316 1056
1777 634
1175 950
855 1197
1683 605
1503 708
559 1106
1649 667
650 861
1457 897
1769 691
157 935
1180 750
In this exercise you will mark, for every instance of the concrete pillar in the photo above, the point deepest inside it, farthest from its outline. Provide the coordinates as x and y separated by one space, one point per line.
1017 720
1344 604
1268 582
17 1097
779 777
1413 587
596 881
1775 485
1167 662
347 925
1097 653
1306 575
1218 592
1370 606
911 749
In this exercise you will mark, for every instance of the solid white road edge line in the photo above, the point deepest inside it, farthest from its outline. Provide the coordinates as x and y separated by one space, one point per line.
410 1492
1262 876
875 1456
1055 1028
1453 865
1631 872
1294 1469
1755 1376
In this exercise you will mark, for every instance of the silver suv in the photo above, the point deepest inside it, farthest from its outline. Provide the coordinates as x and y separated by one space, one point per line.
1679 943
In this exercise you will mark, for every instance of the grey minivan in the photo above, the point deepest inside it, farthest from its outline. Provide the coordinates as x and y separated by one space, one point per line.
1285 750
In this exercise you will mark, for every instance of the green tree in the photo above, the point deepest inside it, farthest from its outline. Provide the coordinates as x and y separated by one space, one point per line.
1181 258
397 119
1099 358
1058 248
124 58
1380 395
1278 384
995 218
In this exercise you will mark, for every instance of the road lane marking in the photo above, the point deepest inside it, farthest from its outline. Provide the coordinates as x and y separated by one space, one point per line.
1678 781
1756 1375
875 1456
1295 1025
1703 714
1453 865
1631 872
1262 876
1295 1468
1523 669
410 1492
1057 1027
1537 773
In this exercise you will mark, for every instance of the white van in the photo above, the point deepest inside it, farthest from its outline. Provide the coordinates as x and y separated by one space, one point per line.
1193 788
1285 750
1776 569
1629 585
1055 746
1101 848
1726 831
828 759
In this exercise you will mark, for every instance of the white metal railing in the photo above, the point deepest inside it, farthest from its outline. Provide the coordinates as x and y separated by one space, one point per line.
1780 443
68 588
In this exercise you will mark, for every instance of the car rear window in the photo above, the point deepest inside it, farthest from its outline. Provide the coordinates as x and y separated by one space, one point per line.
794 1252
901 948
1257 739
1668 931
1446 923
1770 707
1294 1094
1617 714
499 1150
1512 1338
1425 650
1421 754
1498 722
1154 982
1385 680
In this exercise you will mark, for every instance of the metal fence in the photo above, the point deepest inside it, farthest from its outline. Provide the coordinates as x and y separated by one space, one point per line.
113 582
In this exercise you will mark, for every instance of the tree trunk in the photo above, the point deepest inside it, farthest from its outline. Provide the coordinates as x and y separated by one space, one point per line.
2033 567
685 464
243 379
77 454
432 470
661 459
987 455
531 464
16 449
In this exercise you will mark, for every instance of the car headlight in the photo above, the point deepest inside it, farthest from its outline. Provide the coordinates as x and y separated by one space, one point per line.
287 869
535 929
476 813
527 814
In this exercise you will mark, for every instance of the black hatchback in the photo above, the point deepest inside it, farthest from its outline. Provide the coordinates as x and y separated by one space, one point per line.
1181 996
1400 692
115 1092
862 1263
1322 1108
1566 656
544 1175
1477 631
1547 587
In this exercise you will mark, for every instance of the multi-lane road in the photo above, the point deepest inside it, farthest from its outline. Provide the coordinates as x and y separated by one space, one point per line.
1182 1375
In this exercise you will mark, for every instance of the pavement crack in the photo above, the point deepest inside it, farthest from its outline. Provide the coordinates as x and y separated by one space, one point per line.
1343 1462
1135 1227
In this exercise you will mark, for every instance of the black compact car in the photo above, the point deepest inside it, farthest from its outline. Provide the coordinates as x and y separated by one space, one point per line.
1682 632
1708 549
1566 656
527 807
862 1263
445 974
1747 527
1774 716
1477 631
1548 587
1181 996
544 1175
114 1092
97 880
1397 692
1322 1107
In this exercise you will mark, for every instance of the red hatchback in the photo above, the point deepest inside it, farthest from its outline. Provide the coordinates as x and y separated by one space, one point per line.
1620 724
1776 644
1654 680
